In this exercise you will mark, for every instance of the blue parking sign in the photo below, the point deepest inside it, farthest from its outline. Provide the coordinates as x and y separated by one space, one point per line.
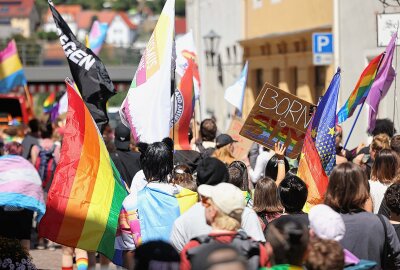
322 48
322 43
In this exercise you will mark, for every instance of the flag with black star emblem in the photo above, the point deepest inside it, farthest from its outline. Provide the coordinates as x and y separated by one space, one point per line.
323 125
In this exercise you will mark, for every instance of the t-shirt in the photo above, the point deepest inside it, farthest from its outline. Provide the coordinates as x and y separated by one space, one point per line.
224 237
397 229
377 191
127 163
193 224
365 237
27 143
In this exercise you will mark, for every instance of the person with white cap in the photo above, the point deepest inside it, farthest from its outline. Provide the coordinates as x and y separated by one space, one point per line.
327 224
224 206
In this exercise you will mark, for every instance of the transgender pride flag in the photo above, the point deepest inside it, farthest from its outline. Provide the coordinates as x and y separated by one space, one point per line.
20 185
97 36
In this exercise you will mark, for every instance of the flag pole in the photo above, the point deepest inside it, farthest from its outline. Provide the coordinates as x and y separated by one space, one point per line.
362 105
173 86
28 97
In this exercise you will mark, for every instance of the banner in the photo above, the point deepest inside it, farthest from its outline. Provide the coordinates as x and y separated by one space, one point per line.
147 107
242 146
185 50
184 105
278 116
89 73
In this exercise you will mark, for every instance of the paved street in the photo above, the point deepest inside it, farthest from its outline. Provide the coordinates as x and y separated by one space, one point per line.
46 259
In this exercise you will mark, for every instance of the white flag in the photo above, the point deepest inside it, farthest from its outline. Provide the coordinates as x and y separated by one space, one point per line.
185 49
147 107
235 94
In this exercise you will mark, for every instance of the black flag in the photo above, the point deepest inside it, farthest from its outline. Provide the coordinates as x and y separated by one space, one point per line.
89 73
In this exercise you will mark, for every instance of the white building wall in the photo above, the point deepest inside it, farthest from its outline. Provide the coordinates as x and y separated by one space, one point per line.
225 17
356 39
118 33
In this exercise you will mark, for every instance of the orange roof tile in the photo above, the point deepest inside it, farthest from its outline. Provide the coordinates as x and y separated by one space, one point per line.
85 18
126 19
72 10
16 8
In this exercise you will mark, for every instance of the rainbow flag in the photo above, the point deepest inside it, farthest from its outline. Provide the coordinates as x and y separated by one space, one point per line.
20 185
11 72
310 169
147 107
184 106
361 90
49 102
87 192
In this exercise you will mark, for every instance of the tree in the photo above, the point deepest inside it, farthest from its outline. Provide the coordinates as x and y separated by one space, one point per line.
180 8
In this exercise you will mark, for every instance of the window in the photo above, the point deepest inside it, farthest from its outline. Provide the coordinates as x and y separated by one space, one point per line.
259 80
320 78
293 80
276 76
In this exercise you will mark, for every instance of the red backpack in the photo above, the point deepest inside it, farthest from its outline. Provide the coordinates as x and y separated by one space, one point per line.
46 165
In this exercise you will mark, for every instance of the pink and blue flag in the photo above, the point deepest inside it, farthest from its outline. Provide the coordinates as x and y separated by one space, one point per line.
11 72
20 185
97 36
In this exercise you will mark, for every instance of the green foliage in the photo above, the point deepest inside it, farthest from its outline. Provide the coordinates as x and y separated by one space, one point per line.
180 8
47 35
124 5
117 99
86 4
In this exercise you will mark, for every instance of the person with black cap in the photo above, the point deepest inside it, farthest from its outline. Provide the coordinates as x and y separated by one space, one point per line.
210 171
126 161
225 148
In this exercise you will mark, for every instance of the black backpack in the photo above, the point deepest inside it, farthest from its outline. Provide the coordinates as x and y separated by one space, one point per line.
247 247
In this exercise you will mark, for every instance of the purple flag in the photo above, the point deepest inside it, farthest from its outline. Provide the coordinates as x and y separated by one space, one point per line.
382 83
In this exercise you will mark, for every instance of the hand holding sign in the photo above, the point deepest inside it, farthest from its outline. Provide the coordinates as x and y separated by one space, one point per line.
278 116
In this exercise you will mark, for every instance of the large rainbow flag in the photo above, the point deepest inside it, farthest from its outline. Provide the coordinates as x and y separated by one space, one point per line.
20 185
147 107
11 72
49 102
87 192
184 106
361 90
311 171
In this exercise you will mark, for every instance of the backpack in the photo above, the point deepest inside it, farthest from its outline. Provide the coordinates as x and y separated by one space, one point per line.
46 165
247 247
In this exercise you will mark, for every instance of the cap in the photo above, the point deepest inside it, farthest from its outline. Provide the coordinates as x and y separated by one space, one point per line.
122 137
326 223
225 196
211 171
224 139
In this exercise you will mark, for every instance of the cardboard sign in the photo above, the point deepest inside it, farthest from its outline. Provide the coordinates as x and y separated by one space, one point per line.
278 116
243 145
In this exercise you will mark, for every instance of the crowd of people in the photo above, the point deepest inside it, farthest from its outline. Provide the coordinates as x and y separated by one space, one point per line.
232 214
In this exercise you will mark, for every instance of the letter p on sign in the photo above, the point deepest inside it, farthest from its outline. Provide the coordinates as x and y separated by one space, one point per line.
322 48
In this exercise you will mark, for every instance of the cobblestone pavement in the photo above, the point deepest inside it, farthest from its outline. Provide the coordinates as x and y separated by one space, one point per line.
47 259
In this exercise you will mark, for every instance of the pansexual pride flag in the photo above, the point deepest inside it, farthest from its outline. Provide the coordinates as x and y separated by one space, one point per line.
184 106
87 192
361 90
147 107
11 72
20 185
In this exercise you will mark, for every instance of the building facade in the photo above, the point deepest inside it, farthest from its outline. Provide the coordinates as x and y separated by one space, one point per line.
225 18
356 35
278 46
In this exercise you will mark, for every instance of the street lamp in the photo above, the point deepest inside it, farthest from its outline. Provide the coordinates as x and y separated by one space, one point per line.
211 41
